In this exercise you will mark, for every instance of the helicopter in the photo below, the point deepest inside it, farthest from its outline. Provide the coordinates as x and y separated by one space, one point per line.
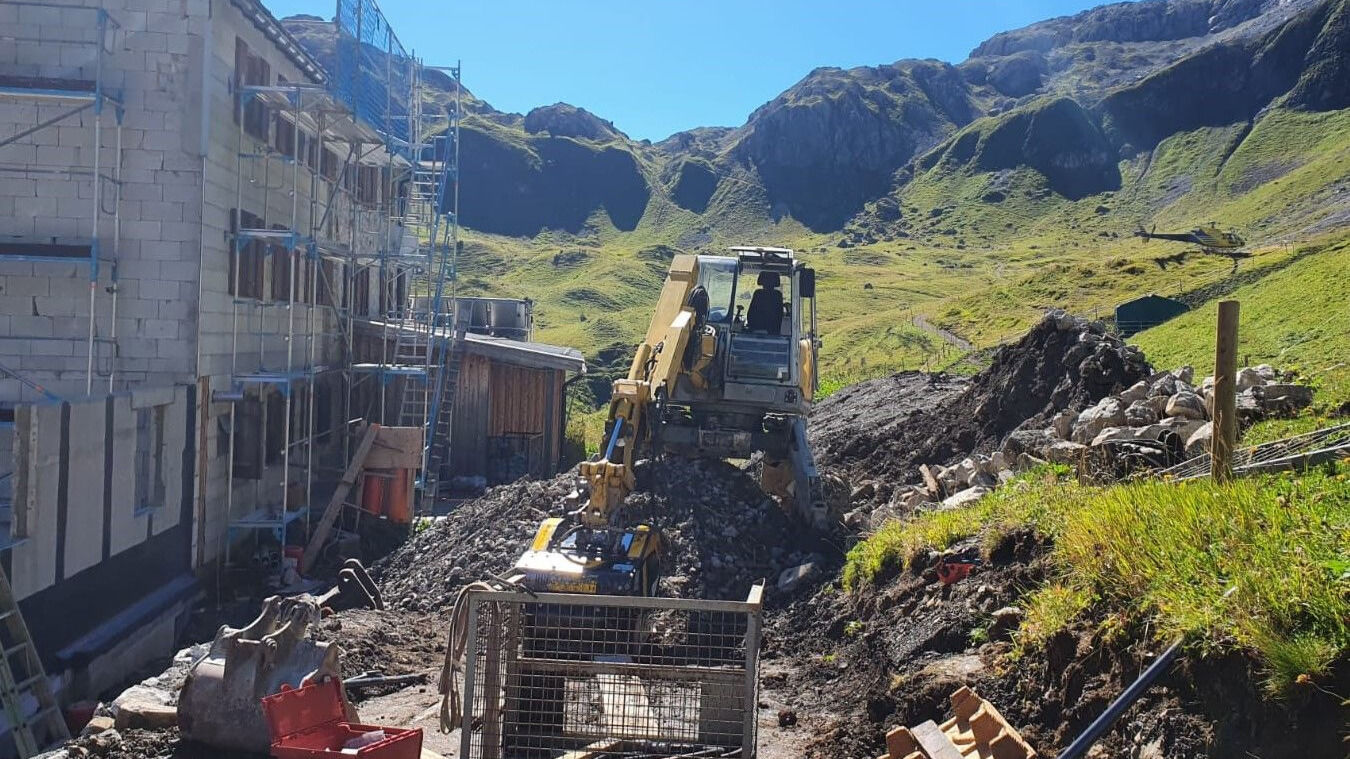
1210 238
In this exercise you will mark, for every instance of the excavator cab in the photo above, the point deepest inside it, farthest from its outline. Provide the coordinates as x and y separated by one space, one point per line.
727 370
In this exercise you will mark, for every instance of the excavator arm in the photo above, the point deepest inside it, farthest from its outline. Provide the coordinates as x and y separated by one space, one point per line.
655 368
592 549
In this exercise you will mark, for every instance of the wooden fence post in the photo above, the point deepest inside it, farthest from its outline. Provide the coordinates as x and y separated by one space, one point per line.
1224 411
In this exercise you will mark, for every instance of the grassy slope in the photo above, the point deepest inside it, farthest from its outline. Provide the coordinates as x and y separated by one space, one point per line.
1294 319
1164 554
982 270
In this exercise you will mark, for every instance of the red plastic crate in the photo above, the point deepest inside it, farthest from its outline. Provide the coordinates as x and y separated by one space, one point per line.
309 722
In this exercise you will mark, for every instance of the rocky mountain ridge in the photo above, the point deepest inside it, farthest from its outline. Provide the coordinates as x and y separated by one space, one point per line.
1068 98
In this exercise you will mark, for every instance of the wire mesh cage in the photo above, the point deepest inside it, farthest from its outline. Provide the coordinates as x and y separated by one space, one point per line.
609 676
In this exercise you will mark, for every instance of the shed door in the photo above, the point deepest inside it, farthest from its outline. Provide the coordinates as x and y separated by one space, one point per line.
522 415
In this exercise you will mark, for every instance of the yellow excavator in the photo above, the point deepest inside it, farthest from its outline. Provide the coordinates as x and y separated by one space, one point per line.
727 370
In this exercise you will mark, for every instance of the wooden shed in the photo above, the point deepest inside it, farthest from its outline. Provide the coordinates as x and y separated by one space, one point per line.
509 408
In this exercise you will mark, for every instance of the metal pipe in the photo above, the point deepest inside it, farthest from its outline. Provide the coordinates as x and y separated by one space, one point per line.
116 247
290 334
45 124
234 317
93 242
1113 712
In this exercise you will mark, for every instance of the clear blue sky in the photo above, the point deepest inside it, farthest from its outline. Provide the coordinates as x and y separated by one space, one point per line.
658 67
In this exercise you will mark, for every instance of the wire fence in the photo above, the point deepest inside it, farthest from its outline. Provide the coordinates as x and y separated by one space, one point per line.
373 73
1295 452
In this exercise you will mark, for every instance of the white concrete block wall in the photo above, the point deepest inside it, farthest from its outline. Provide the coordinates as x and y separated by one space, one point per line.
84 520
161 87
175 319
33 563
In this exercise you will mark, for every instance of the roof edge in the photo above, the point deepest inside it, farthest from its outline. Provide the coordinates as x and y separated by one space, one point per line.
270 26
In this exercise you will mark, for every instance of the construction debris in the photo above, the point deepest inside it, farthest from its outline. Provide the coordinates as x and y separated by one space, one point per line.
1062 363
1068 392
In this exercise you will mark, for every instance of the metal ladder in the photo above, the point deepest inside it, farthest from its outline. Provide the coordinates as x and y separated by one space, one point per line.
410 349
35 718
442 412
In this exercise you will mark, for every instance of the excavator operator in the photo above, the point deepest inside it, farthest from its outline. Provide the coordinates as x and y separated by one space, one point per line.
766 305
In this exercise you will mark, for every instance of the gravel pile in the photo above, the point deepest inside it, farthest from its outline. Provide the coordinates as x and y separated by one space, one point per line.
1063 362
722 534
481 537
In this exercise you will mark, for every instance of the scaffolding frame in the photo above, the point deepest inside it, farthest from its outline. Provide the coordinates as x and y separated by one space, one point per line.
405 239
80 95
317 233
420 348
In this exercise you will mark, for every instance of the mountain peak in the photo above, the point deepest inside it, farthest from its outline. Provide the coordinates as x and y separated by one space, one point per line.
565 120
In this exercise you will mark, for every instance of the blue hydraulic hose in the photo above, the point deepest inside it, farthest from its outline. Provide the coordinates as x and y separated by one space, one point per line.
614 439
1103 723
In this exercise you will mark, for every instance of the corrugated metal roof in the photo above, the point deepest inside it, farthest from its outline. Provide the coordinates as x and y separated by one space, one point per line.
539 355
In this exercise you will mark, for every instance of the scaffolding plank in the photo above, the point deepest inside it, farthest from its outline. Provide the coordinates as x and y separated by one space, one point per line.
53 87
402 370
38 252
330 514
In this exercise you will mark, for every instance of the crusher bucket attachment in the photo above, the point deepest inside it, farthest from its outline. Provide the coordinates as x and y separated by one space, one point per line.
975 731
220 704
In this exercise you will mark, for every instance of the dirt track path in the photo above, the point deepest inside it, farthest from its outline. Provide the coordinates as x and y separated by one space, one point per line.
954 339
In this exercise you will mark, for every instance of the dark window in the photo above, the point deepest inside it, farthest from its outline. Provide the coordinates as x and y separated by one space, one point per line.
281 270
327 282
323 406
247 256
246 438
283 137
250 69
361 293
276 428
304 269
368 184
332 167
149 457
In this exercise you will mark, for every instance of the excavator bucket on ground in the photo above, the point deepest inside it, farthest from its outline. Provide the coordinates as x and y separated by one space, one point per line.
220 704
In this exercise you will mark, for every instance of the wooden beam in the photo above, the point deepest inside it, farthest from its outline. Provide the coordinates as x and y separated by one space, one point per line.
331 513
1224 412
397 448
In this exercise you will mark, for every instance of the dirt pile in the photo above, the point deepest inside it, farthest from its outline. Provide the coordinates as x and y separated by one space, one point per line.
1063 362
385 642
481 537
141 744
722 534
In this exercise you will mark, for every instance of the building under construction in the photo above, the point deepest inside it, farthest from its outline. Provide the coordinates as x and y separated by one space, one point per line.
220 254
